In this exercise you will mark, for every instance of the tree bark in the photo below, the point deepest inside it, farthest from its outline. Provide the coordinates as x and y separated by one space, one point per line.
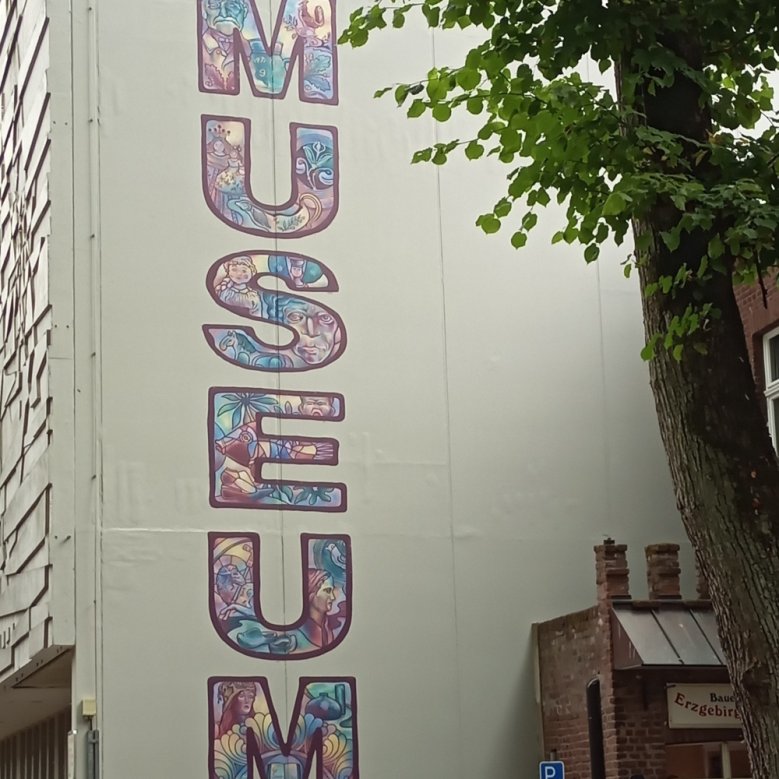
722 461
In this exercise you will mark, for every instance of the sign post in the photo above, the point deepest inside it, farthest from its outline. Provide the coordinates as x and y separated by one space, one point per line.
551 769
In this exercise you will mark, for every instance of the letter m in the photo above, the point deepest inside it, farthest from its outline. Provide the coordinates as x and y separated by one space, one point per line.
231 33
246 739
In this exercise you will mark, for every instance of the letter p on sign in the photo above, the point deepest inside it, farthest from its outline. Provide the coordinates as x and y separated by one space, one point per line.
551 769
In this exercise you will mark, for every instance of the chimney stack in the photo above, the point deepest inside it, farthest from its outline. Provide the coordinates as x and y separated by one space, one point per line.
662 571
611 570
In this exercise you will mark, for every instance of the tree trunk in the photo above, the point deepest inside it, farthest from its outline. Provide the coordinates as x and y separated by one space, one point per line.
722 461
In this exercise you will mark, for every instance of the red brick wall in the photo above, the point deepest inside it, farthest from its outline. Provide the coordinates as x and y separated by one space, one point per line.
640 725
575 649
758 319
571 654
642 717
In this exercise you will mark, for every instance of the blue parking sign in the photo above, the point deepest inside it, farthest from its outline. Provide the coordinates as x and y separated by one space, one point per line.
551 769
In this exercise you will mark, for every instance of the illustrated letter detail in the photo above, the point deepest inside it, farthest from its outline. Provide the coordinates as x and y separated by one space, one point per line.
226 169
239 448
247 741
236 602
318 333
230 32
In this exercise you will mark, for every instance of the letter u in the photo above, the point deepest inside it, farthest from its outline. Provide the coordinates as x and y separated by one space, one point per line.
235 602
227 170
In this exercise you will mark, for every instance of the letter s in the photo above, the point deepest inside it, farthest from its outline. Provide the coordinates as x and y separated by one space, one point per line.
235 282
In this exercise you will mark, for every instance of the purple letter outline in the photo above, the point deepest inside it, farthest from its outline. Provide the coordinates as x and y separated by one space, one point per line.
235 599
241 283
246 739
238 449
230 32
227 170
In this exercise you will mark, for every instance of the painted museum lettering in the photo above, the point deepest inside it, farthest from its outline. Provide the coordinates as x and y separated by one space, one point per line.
226 162
236 604
230 33
238 448
317 332
247 740
290 291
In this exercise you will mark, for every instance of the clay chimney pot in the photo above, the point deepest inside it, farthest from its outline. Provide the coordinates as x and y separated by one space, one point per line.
611 571
662 571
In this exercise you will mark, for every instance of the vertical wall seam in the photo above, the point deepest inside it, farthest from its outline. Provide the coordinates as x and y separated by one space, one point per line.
97 325
447 404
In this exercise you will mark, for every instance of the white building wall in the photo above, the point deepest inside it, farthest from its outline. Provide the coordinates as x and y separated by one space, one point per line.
498 420
36 382
26 321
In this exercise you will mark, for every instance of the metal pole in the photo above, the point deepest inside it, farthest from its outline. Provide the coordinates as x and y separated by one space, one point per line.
93 754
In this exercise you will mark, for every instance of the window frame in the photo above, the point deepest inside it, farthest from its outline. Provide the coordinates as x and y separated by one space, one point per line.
770 387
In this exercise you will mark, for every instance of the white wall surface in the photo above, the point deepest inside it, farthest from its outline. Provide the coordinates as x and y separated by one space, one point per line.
498 420
35 558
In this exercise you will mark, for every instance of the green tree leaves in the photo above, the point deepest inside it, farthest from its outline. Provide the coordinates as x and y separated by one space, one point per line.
615 204
567 138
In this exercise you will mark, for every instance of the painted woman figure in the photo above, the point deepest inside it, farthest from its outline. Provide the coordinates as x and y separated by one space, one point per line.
237 613
321 627
237 705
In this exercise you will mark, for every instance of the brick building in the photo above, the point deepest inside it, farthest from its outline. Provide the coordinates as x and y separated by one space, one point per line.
760 316
635 688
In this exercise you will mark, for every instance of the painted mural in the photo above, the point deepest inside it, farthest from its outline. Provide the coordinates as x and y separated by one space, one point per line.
236 603
227 173
239 448
230 34
235 282
247 741
279 289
